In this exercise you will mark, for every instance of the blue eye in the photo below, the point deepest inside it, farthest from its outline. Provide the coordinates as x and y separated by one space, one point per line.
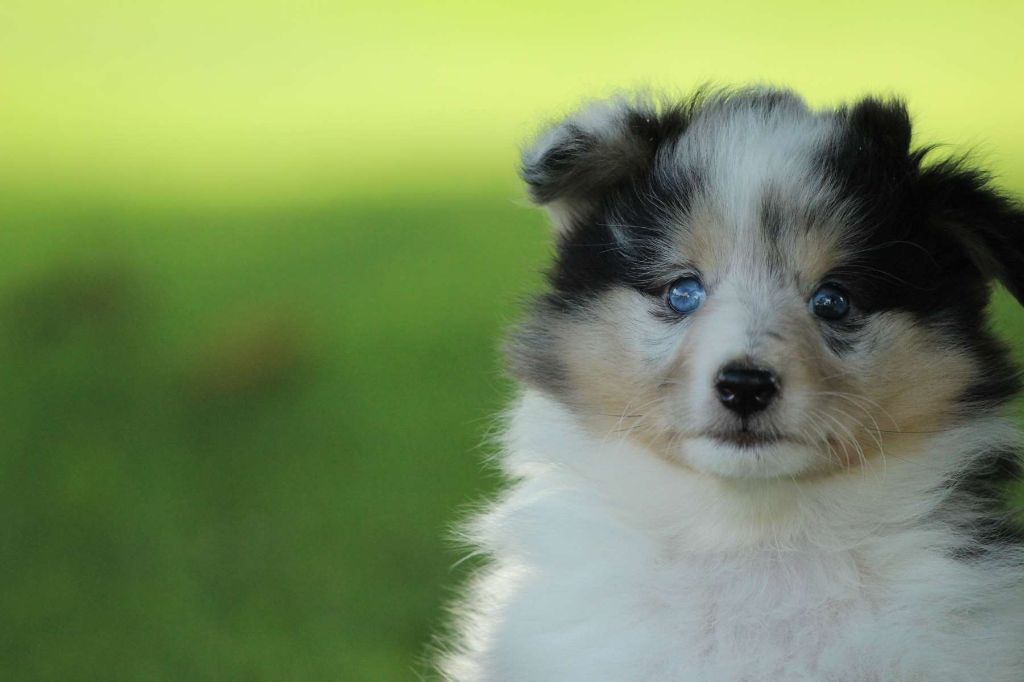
686 295
830 302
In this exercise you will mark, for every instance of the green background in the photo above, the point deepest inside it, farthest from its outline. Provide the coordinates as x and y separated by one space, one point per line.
257 257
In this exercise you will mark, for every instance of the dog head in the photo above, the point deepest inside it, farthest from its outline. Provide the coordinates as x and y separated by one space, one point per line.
755 289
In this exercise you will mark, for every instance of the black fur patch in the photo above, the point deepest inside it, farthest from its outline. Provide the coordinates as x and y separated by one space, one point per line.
531 348
772 218
984 490
615 240
998 380
989 225
903 262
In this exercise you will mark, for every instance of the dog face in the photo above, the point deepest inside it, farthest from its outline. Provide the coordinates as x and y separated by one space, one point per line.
753 289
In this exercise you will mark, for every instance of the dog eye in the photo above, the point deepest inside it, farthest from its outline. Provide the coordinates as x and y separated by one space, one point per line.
830 302
686 295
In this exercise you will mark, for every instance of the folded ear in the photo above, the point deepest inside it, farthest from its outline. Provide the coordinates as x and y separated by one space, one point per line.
989 224
586 156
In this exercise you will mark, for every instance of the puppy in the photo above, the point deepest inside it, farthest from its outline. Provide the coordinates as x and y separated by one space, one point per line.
763 428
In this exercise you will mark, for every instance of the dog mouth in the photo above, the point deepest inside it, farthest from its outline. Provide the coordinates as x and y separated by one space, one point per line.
746 438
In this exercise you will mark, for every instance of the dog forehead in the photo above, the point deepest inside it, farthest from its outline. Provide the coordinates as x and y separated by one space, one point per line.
765 201
741 144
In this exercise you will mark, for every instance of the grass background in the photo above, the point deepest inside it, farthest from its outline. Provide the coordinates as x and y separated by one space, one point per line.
256 262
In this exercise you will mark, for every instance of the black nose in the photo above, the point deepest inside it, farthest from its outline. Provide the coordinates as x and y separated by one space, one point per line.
745 390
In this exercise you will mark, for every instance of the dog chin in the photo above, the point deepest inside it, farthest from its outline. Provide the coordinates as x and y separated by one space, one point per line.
763 460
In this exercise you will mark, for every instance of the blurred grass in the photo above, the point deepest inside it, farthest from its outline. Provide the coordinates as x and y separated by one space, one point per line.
231 442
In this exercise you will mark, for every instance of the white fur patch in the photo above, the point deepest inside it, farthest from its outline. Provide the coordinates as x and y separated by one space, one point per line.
613 565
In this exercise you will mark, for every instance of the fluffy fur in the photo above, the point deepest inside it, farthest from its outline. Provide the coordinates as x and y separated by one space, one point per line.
854 529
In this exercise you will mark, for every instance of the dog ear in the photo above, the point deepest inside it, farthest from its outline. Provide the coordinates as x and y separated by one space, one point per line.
989 224
573 164
883 123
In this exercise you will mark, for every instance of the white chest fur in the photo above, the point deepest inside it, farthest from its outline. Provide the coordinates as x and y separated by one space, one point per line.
611 565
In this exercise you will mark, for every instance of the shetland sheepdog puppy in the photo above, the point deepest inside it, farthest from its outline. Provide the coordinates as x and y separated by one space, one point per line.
763 429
